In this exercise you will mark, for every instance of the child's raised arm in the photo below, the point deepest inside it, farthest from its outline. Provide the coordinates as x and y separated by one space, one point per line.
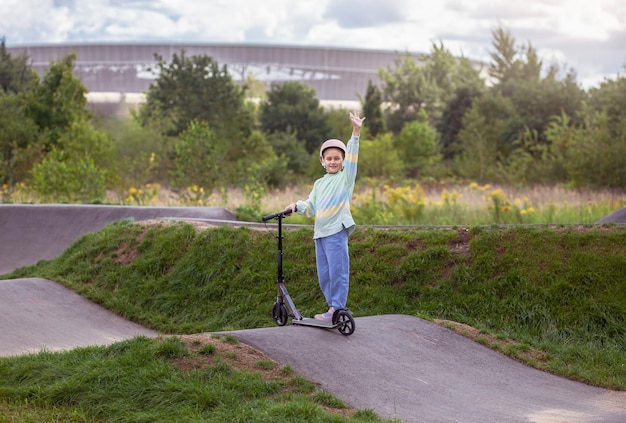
357 122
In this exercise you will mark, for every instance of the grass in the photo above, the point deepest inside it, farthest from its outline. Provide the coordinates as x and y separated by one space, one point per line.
551 297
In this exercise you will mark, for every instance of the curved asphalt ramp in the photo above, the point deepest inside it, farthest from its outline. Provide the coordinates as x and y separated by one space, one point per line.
29 233
417 371
399 366
618 216
38 314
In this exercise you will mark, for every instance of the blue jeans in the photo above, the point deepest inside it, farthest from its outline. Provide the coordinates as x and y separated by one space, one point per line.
333 268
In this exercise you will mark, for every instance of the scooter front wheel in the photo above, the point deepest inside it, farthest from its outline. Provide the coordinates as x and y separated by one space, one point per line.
279 314
345 322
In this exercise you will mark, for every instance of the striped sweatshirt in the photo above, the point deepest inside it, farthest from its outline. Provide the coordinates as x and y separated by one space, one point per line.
329 200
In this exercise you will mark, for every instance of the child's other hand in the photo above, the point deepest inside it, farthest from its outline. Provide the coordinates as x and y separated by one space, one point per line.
356 120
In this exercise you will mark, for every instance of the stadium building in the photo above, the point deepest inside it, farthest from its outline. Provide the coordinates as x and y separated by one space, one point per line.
118 75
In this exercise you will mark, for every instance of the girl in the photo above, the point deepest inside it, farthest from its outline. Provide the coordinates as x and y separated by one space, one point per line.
329 203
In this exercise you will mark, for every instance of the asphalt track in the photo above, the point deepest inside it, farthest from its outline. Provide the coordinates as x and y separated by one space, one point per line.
29 233
399 366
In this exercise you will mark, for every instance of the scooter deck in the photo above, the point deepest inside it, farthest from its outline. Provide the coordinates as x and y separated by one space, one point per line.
307 321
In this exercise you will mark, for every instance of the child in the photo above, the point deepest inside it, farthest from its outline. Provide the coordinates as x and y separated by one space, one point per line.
329 202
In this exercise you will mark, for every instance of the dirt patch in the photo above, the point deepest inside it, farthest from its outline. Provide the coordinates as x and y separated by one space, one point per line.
206 350
125 253
461 246
462 243
199 225
586 228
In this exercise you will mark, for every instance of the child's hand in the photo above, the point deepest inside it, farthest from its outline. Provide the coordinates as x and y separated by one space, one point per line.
356 120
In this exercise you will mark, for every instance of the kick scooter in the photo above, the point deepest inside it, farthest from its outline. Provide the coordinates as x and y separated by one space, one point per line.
284 306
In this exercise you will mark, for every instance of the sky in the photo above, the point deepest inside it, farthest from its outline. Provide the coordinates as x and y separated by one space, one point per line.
586 36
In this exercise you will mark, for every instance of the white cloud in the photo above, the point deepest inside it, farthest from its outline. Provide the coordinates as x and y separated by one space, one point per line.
20 23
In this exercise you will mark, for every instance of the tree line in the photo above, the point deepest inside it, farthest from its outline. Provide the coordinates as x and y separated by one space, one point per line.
516 121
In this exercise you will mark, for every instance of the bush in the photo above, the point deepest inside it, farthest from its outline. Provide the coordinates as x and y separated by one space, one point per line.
77 180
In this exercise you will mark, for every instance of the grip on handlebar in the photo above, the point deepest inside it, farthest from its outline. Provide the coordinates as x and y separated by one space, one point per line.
276 215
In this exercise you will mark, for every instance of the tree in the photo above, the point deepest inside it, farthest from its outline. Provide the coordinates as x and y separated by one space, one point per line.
287 147
34 111
58 101
599 163
411 87
449 74
78 168
143 152
336 119
539 101
417 147
505 64
199 158
196 88
379 159
451 120
18 136
536 162
587 154
483 127
16 74
259 168
292 107
406 89
372 110
610 98
536 95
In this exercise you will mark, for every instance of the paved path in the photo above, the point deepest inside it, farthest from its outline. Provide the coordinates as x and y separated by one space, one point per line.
29 233
40 314
618 216
418 371
399 366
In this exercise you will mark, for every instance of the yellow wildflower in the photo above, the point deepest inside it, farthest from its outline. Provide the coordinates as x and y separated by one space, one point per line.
497 194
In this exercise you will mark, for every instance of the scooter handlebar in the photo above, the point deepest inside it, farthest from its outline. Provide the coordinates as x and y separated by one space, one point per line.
277 215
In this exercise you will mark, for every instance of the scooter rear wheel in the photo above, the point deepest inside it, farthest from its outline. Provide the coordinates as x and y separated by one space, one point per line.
279 314
346 323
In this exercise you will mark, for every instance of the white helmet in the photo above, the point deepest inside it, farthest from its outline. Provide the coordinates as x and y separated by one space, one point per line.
332 143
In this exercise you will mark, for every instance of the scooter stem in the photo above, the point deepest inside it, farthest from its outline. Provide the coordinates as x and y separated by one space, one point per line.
283 295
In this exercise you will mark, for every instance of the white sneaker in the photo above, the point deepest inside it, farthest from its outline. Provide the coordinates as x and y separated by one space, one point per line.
328 316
